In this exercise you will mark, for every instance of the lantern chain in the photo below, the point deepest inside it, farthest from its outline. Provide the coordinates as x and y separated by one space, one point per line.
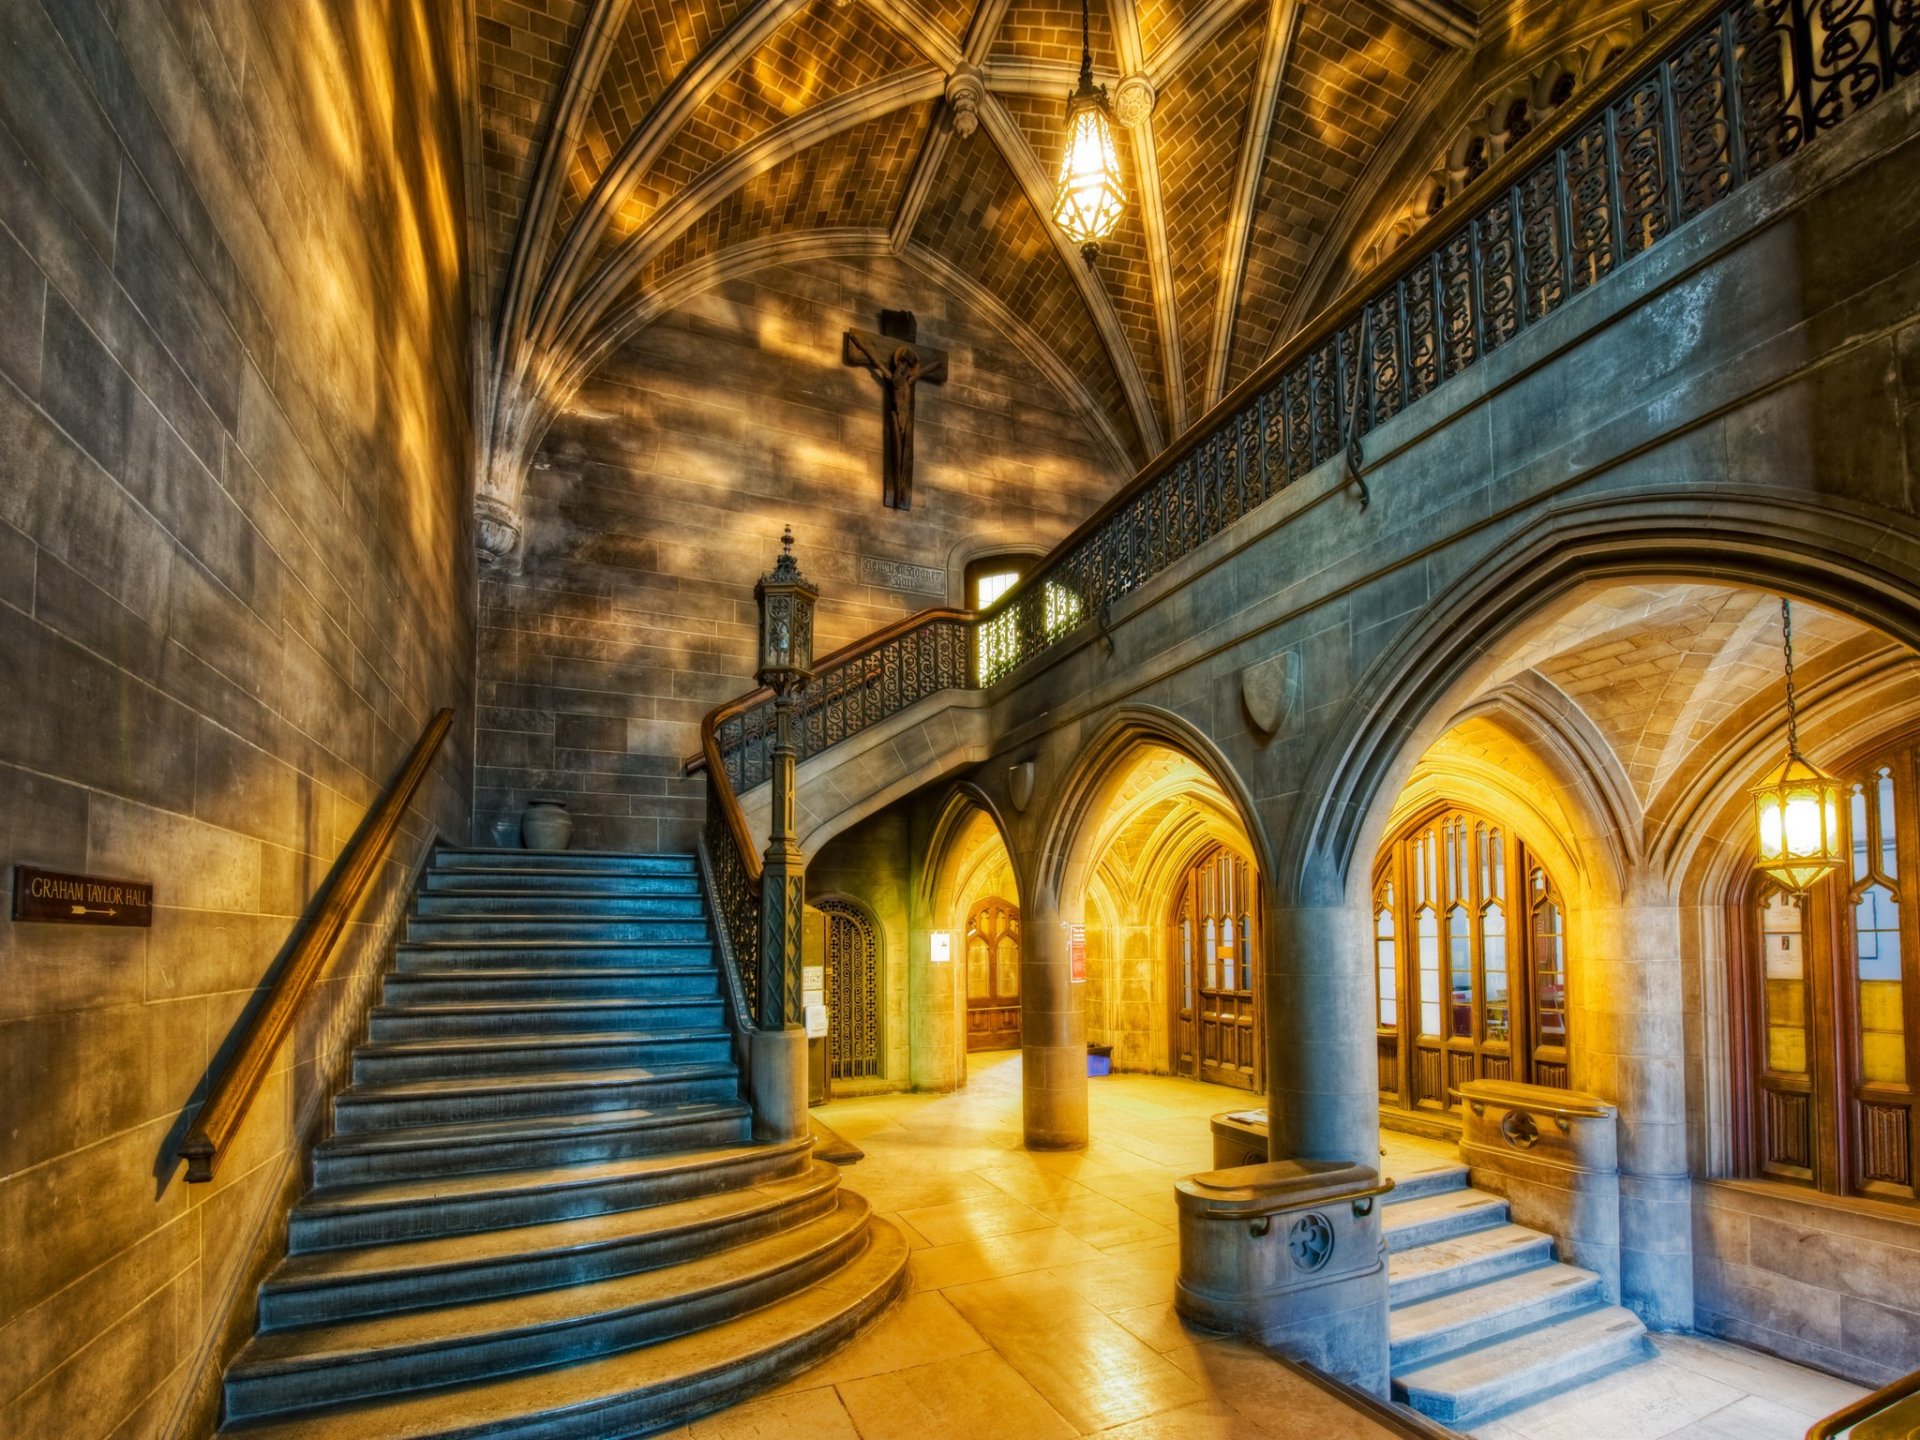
1786 646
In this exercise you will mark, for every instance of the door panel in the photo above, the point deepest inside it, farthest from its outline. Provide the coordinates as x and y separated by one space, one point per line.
993 975
1216 1022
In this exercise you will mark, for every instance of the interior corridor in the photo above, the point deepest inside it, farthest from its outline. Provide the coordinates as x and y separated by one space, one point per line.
1040 1302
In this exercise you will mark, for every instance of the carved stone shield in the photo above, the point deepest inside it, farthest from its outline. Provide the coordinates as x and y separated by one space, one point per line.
1020 784
1271 690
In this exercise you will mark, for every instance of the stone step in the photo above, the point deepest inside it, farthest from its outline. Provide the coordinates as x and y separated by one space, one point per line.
414 956
546 861
637 1391
1424 1330
361 1108
339 1285
1438 1178
1468 1388
603 930
618 1014
561 905
385 1355
1462 1260
571 882
383 1062
413 989
413 1204
1441 1216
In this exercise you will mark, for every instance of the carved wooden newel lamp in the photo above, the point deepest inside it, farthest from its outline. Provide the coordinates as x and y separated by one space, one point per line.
1797 806
786 599
1088 197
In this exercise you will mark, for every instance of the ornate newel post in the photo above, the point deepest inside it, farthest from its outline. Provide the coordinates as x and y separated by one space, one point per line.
786 599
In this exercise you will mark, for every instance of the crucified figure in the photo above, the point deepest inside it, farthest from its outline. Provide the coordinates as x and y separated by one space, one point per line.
899 364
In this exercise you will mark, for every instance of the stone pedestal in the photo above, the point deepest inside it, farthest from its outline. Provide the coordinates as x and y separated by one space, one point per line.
1553 1155
778 1082
1239 1138
1290 1252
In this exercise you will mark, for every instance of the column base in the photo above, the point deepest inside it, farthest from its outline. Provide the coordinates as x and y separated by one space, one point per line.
777 1084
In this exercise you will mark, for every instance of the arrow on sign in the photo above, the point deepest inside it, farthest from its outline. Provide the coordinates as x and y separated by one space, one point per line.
83 910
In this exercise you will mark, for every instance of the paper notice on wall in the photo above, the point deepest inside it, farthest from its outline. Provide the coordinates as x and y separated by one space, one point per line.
942 947
816 1022
1077 953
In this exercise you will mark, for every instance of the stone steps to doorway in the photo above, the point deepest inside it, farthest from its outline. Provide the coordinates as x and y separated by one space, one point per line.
541 1211
1483 1318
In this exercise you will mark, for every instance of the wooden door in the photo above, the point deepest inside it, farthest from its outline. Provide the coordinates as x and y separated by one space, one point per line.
1216 1011
993 975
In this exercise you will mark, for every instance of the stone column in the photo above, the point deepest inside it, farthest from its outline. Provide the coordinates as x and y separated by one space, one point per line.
1053 1032
1629 1046
1323 1100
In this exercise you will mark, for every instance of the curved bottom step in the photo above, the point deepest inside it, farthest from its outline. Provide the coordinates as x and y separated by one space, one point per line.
634 1392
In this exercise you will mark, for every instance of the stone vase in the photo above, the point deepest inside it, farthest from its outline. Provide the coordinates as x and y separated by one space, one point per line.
546 825
505 833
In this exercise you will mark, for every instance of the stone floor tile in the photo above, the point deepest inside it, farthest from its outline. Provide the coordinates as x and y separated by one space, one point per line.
1102 1222
1269 1395
1160 1326
974 1220
1793 1386
976 1397
816 1413
919 1330
1648 1401
1748 1418
939 1266
1090 1369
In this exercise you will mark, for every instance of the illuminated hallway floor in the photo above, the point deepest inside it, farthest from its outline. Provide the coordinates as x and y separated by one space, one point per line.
1042 1299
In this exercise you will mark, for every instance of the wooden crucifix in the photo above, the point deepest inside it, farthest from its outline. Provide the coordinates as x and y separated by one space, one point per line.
899 363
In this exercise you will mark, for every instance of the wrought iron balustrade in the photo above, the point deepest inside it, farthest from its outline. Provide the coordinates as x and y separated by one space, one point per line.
1701 106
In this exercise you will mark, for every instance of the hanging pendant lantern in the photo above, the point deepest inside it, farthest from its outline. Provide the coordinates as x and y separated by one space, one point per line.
1797 807
1088 197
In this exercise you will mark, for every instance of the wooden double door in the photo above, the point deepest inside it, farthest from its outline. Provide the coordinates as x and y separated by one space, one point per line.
1470 962
1216 972
993 975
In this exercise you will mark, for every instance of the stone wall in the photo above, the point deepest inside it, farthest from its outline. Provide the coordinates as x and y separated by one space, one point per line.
869 864
234 586
658 501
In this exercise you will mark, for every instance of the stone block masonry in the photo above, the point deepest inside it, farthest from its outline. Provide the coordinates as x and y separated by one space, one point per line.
658 501
234 585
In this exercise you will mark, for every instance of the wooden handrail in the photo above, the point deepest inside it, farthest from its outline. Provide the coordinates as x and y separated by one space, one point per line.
239 1079
1865 1408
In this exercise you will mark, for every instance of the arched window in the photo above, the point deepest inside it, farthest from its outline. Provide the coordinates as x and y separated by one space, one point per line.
1519 122
1477 159
853 991
1832 990
1479 990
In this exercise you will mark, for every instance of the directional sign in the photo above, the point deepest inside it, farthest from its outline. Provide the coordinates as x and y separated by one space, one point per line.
55 898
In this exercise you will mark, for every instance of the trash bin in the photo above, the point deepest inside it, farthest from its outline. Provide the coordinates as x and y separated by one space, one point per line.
1099 1060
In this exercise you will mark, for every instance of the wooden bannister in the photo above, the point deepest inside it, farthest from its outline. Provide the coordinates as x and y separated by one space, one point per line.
238 1081
1896 1406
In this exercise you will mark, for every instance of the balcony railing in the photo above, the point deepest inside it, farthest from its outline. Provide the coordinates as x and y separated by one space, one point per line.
1700 107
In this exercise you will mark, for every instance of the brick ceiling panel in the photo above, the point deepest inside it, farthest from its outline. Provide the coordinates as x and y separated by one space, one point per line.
853 180
952 16
522 47
1123 269
660 38
1351 72
1197 125
825 51
978 218
1050 30
1162 20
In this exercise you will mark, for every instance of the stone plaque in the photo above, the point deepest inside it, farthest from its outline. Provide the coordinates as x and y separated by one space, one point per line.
1271 690
898 575
56 898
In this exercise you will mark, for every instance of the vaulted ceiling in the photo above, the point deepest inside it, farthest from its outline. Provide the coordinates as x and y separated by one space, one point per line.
634 151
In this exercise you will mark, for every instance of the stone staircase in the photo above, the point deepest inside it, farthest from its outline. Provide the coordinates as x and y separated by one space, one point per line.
541 1211
1483 1318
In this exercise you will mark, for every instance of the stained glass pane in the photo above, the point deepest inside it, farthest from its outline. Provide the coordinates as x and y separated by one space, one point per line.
1889 851
1385 969
1782 944
1876 941
1858 803
1549 969
1460 971
1494 1006
1427 928
979 977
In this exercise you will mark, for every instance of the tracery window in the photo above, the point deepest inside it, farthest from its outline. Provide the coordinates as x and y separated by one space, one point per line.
1830 988
993 974
1470 972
